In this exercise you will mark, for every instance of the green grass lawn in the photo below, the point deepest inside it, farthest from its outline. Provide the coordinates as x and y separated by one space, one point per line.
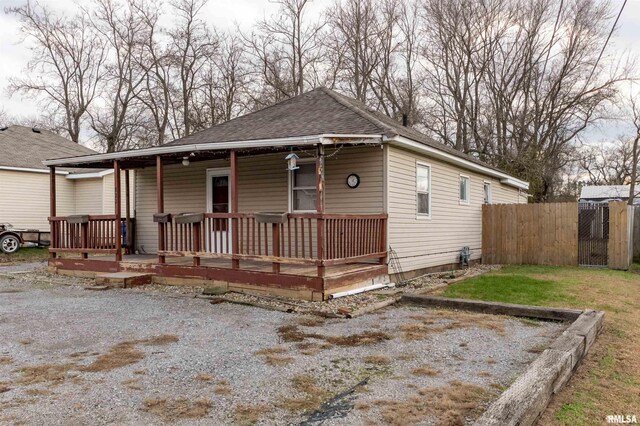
608 381
25 254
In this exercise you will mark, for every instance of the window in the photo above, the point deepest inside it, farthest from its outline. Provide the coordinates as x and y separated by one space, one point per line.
487 193
464 189
423 190
303 187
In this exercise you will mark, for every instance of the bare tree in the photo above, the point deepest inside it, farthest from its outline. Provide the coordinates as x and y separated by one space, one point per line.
65 70
607 163
510 81
116 119
635 150
222 92
192 44
285 51
156 62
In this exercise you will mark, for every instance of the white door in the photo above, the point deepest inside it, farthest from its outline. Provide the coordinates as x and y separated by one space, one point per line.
219 201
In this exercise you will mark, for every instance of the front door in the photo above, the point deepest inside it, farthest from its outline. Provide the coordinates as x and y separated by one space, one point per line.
219 201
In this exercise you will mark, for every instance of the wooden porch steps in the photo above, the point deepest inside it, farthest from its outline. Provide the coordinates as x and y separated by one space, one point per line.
123 279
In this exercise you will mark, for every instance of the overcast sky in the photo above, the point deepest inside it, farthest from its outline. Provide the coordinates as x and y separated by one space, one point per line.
224 14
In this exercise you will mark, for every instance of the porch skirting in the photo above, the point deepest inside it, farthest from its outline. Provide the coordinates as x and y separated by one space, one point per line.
296 281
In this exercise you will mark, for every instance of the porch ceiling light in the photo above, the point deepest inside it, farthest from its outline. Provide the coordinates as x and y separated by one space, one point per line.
185 160
291 161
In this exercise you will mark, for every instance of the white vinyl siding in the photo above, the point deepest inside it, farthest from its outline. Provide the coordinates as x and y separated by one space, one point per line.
427 243
24 197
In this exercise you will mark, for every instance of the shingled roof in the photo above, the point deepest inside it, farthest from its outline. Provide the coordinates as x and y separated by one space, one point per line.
319 111
24 147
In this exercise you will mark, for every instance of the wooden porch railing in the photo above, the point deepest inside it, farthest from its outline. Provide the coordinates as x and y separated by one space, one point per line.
346 238
95 234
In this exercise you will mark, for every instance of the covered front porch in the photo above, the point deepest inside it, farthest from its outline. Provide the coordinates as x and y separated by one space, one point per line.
209 218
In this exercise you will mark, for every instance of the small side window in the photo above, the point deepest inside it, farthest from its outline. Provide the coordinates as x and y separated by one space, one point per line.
423 190
487 193
464 189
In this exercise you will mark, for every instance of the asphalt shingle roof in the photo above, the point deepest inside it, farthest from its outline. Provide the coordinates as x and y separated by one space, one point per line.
319 111
22 147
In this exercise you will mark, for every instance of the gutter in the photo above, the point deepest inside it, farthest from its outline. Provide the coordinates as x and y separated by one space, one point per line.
90 175
506 179
324 139
26 169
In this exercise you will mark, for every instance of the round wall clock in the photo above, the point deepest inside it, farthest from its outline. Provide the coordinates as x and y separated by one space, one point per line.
353 180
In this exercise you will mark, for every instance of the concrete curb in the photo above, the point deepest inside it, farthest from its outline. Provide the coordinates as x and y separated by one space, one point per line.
527 398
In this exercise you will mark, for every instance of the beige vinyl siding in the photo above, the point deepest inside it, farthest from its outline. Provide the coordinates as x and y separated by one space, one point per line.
109 195
421 242
89 196
24 198
263 185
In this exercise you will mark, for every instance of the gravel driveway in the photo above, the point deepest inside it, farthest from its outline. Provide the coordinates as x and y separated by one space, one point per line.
73 356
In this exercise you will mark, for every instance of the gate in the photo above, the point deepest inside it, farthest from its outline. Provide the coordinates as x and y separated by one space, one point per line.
593 234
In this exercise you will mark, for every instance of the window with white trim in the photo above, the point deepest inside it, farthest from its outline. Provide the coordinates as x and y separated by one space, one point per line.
303 187
487 193
464 189
423 190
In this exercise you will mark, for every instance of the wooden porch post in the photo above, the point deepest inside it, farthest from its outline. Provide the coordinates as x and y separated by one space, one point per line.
127 198
320 207
235 240
160 207
118 208
53 234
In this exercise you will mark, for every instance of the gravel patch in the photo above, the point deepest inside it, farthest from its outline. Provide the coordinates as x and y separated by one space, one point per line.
72 356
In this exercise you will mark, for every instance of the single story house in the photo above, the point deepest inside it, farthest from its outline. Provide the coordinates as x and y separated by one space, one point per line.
310 197
605 193
24 180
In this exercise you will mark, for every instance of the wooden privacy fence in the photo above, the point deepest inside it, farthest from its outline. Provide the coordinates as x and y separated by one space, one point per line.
535 234
548 234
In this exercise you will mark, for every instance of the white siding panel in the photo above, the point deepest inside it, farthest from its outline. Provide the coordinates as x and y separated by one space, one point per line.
24 198
422 243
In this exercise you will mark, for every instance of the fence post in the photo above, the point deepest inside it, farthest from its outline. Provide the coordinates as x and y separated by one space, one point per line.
275 236
619 235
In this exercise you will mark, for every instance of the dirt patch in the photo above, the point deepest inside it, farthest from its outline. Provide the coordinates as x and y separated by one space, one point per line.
133 384
126 353
425 371
275 356
292 333
250 414
172 410
312 395
38 392
4 360
438 321
203 377
377 360
448 405
222 390
119 356
50 373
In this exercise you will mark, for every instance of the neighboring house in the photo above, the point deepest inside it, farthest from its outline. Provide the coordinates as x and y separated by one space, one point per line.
605 193
24 180
362 184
